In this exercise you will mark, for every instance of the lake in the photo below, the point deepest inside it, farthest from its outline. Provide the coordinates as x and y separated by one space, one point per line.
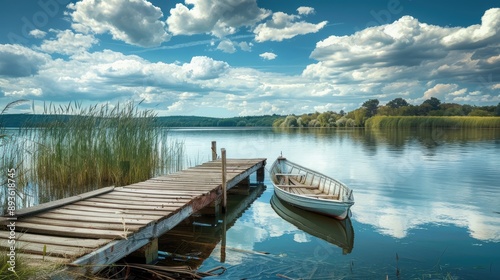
427 205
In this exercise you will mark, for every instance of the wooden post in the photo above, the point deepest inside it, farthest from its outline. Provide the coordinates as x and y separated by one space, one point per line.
224 181
260 174
223 241
148 252
214 150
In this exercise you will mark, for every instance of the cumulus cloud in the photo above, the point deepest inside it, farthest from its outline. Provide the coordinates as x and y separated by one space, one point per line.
268 55
19 61
245 46
202 67
462 59
216 17
475 35
441 90
305 10
226 46
37 33
68 43
284 26
135 22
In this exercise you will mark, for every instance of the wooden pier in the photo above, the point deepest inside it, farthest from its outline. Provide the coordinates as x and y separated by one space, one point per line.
95 229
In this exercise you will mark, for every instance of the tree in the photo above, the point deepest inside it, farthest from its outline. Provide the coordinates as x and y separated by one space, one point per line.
433 102
371 107
290 121
397 103
497 110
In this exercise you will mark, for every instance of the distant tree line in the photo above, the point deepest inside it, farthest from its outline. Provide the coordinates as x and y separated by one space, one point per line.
20 120
395 107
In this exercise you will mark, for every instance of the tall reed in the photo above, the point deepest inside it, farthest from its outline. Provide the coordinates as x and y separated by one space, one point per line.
83 148
13 159
432 122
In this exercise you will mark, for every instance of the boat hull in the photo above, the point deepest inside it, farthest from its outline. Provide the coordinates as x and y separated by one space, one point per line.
338 210
310 190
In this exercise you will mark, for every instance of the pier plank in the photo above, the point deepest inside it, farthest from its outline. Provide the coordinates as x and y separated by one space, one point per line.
56 240
71 231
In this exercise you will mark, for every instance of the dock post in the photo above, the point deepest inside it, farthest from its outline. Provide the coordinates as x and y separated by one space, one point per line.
224 181
148 252
214 150
260 174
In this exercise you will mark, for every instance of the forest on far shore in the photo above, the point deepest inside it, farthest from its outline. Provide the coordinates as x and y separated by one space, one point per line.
431 107
398 107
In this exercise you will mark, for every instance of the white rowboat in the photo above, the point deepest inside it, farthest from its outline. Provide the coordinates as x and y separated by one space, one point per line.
310 190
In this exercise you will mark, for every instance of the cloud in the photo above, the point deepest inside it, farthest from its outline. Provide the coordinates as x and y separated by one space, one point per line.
415 53
305 10
68 43
284 26
136 22
37 33
245 46
226 46
216 17
268 55
440 91
19 61
202 67
476 35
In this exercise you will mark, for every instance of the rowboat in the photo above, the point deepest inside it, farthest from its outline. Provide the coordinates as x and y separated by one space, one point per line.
310 190
337 232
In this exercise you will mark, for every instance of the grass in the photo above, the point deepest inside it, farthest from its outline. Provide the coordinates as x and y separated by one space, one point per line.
432 122
102 146
98 146
25 268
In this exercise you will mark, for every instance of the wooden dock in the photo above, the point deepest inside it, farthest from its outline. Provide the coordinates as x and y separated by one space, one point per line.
95 229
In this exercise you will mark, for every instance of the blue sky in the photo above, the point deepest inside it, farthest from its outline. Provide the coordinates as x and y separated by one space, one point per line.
228 58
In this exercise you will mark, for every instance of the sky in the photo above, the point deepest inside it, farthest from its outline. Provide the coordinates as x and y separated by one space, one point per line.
225 58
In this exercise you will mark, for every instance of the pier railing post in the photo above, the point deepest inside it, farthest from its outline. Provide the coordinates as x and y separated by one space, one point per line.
224 180
214 150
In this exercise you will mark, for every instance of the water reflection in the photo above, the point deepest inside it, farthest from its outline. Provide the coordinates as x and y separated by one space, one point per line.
339 233
194 239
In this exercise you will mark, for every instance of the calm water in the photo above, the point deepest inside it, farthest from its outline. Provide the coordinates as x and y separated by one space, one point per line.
427 205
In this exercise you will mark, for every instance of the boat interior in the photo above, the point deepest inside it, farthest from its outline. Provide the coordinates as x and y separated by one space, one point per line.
296 184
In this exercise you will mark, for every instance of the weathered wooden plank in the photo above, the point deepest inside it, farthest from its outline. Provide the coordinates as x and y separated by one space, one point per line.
42 260
112 220
175 188
152 194
153 191
56 240
50 249
70 231
127 207
137 202
146 197
86 225
117 211
60 202
109 215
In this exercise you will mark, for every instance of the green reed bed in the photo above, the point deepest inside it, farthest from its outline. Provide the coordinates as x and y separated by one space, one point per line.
97 147
432 122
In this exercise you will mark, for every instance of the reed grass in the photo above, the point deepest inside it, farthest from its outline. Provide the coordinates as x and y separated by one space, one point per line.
98 146
12 157
432 122
25 268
